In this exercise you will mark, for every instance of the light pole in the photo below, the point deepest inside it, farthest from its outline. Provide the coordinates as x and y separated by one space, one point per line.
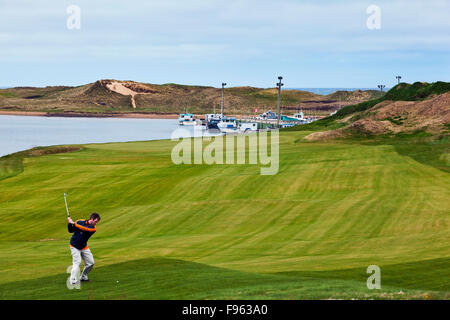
279 85
398 78
381 86
223 86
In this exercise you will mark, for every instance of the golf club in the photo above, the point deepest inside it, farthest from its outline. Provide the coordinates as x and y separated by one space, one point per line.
67 208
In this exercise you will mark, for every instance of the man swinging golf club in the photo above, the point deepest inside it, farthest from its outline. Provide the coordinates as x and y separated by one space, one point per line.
82 230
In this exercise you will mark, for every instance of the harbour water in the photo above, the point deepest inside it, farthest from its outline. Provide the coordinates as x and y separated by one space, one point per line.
18 133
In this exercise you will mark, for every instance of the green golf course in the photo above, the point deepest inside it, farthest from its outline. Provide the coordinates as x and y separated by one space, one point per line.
226 231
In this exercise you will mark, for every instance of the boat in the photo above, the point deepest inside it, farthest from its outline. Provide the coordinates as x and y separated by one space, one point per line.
286 118
213 124
186 119
299 116
213 116
227 125
248 126
269 115
212 120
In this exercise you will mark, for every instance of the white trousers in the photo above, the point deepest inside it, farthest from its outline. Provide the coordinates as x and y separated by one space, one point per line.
88 259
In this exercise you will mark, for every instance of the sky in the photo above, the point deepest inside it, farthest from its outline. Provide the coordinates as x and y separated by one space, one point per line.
243 43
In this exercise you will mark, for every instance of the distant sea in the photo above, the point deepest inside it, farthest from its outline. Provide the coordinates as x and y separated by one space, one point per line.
325 91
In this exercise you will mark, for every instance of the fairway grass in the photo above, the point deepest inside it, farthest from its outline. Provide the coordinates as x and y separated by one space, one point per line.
226 232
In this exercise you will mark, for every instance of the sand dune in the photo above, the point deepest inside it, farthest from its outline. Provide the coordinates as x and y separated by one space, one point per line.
121 89
391 117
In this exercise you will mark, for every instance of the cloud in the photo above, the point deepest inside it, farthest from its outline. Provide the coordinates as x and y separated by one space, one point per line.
234 31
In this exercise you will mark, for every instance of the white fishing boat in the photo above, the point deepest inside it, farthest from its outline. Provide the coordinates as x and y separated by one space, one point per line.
269 115
227 125
212 116
299 116
186 119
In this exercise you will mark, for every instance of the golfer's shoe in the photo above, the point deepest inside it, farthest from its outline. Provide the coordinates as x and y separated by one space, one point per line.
84 278
73 282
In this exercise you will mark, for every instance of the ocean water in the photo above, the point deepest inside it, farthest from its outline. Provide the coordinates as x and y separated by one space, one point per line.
325 91
18 133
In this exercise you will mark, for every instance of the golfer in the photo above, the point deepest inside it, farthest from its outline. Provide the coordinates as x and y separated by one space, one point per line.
82 230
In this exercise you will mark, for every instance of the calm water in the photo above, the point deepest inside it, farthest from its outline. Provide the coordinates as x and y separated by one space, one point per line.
19 133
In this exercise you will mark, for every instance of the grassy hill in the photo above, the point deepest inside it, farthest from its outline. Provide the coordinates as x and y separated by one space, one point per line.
357 95
225 231
406 108
98 97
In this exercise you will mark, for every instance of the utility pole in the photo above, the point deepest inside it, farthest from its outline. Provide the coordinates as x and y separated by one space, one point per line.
381 86
279 85
398 78
223 86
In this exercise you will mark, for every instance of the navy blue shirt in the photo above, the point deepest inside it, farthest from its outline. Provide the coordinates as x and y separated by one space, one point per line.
81 233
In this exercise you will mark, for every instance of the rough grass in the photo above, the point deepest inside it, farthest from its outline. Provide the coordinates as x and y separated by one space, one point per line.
416 91
12 164
401 92
225 231
162 278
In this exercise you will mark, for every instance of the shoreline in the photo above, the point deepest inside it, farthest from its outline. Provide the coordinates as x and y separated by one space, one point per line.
71 114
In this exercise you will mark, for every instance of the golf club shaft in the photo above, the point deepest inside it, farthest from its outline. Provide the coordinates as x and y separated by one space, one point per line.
67 208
